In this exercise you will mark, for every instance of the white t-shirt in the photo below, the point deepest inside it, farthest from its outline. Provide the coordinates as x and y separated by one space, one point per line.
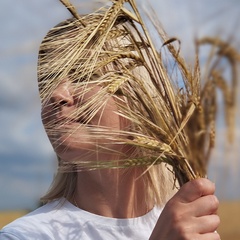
62 220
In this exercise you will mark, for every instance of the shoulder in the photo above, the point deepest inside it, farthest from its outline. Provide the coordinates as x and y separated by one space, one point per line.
38 224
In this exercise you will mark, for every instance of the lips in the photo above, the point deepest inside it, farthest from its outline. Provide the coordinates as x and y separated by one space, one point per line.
67 120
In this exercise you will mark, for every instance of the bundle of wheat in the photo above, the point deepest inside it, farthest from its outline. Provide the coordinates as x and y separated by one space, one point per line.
171 117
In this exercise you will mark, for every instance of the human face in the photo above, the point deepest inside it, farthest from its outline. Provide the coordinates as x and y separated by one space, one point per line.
72 118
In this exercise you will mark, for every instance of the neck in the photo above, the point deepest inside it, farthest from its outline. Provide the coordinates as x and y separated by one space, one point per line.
112 193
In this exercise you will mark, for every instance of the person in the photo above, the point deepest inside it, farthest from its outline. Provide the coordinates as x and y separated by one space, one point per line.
90 125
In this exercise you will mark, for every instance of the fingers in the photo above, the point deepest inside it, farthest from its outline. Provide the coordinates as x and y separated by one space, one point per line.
201 227
207 224
195 189
212 236
190 213
205 205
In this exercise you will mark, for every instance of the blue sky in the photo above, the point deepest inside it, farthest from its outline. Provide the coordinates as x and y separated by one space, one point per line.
26 157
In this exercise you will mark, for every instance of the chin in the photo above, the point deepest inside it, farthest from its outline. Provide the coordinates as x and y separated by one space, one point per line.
68 150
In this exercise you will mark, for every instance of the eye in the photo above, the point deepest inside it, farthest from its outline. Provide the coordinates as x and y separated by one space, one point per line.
95 76
44 78
45 81
76 79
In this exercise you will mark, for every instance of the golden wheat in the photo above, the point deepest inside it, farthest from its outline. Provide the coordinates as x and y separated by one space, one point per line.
173 119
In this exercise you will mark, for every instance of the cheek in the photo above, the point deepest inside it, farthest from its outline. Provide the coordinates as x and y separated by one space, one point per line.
46 115
108 116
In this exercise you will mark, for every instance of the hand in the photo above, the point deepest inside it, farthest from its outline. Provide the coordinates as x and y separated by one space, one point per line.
191 214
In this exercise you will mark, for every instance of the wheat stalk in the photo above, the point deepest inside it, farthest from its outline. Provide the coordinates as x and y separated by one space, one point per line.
172 120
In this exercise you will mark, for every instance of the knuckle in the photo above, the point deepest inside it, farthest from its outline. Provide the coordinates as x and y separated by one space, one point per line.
203 186
213 202
217 221
198 185
213 222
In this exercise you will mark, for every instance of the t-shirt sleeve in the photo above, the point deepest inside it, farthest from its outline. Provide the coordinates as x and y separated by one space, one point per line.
8 236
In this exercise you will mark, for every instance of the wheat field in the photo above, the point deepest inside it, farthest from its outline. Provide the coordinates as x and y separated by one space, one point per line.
8 216
229 212
230 220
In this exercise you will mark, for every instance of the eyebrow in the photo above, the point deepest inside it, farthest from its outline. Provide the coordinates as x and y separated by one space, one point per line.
45 77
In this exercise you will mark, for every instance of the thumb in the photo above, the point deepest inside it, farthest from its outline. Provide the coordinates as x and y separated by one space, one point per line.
195 189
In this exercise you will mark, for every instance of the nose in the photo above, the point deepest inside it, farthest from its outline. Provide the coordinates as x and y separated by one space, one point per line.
62 96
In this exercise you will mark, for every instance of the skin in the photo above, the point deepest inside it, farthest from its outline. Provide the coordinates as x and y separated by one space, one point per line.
71 138
189 214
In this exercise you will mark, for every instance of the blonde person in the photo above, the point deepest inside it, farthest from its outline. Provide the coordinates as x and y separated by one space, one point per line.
87 122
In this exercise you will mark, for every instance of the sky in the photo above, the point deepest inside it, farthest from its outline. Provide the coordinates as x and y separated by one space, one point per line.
27 161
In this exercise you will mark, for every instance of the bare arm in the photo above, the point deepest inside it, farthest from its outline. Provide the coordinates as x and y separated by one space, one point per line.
190 214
